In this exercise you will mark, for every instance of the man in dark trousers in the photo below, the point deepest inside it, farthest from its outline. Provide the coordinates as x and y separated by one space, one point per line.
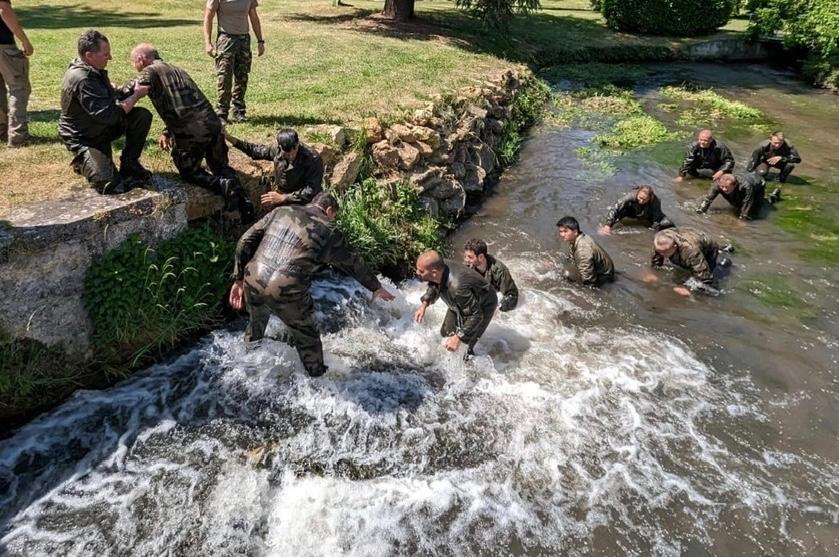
14 78
642 204
298 170
471 299
744 192
193 130
494 272
706 157
92 116
592 262
692 250
275 261
775 152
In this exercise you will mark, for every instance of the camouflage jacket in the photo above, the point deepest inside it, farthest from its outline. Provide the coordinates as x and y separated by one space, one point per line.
89 109
466 293
185 110
628 207
500 279
716 157
592 262
290 243
301 178
765 151
746 195
695 251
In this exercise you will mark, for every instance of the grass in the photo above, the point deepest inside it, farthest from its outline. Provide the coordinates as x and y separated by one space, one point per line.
806 214
324 64
711 105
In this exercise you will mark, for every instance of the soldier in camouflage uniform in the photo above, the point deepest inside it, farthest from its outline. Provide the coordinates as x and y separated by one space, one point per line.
690 249
232 51
193 131
470 298
298 169
641 204
592 262
744 192
494 272
275 261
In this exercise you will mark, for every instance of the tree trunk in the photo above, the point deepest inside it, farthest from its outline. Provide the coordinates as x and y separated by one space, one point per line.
399 10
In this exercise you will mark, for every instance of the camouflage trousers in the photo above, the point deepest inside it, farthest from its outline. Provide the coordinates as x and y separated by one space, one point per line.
233 64
294 306
190 151
452 322
14 76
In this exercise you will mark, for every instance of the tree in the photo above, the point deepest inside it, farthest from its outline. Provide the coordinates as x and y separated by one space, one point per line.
497 13
399 10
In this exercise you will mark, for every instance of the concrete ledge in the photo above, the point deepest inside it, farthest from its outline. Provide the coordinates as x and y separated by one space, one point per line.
732 49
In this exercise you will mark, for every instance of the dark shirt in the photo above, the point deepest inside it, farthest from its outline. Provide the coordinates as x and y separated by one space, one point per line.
466 293
89 109
716 156
301 179
764 151
180 103
628 207
498 276
746 195
6 35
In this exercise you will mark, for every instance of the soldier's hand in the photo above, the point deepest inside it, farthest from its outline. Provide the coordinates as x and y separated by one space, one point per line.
605 229
210 50
272 199
260 49
237 296
165 142
452 343
27 48
419 315
383 294
678 179
140 90
773 160
650 278
681 291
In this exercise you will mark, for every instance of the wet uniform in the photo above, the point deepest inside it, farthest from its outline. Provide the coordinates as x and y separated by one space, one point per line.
471 301
91 119
592 262
193 124
695 252
628 207
789 158
705 163
746 196
498 276
301 178
276 258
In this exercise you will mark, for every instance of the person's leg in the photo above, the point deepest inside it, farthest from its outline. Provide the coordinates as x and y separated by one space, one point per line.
706 173
296 310
241 72
224 73
137 125
97 166
14 67
4 111
762 169
258 314
476 336
449 326
786 170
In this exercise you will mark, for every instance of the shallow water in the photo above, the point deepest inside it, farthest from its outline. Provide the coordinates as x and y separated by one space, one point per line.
613 422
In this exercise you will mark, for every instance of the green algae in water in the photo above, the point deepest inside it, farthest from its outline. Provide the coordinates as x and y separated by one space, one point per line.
715 104
634 131
775 291
595 75
597 163
669 154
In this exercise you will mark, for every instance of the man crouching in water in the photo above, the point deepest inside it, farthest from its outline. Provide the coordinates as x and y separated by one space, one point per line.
275 261
694 251
471 299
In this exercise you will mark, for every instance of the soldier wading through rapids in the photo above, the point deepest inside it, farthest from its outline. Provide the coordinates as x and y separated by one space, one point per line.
275 261
193 131
494 272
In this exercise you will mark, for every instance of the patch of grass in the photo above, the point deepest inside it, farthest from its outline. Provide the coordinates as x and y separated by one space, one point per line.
632 132
805 214
775 291
715 105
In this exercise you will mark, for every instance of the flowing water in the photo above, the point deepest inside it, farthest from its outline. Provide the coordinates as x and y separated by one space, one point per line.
621 421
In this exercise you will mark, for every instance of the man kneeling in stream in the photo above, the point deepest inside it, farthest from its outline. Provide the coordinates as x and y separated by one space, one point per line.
694 251
275 261
471 299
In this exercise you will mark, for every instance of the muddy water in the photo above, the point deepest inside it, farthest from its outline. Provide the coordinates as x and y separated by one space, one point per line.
613 422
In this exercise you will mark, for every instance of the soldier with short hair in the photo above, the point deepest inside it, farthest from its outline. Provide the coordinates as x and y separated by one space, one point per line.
232 50
592 262
642 204
93 116
298 169
744 192
707 157
275 261
470 298
775 152
692 250
193 130
494 272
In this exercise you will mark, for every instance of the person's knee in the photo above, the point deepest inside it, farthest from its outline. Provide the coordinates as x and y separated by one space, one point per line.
141 117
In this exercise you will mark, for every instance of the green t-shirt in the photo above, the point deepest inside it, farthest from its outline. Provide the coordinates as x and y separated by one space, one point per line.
233 15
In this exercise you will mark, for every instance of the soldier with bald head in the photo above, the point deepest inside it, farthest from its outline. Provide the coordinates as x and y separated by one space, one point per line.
707 157
691 250
470 298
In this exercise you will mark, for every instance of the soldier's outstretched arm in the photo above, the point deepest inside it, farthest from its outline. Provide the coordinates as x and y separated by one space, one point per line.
340 255
256 151
248 243
709 198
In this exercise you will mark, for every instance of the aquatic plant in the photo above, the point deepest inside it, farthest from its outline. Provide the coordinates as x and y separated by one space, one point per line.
634 132
710 100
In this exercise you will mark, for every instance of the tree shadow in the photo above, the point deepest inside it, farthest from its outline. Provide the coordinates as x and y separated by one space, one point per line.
287 120
78 16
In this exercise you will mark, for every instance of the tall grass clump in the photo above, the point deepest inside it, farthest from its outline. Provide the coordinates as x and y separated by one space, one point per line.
527 109
386 223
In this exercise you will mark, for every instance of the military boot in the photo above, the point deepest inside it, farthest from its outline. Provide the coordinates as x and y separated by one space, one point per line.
775 196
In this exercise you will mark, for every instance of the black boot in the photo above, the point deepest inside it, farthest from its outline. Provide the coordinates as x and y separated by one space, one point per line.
775 196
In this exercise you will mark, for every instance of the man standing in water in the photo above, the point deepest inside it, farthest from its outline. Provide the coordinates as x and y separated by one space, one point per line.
691 250
641 204
707 157
743 192
592 262
494 272
775 152
275 261
470 298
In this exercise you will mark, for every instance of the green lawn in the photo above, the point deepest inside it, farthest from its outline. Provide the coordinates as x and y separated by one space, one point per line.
323 64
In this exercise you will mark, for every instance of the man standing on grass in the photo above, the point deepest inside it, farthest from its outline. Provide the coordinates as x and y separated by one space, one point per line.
14 77
232 50
706 157
193 131
92 116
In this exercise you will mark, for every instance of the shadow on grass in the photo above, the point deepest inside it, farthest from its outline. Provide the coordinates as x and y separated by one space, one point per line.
287 121
78 15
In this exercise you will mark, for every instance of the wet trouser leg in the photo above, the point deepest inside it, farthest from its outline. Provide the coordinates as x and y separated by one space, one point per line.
241 72
451 322
137 125
97 165
786 170
188 156
702 172
14 75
